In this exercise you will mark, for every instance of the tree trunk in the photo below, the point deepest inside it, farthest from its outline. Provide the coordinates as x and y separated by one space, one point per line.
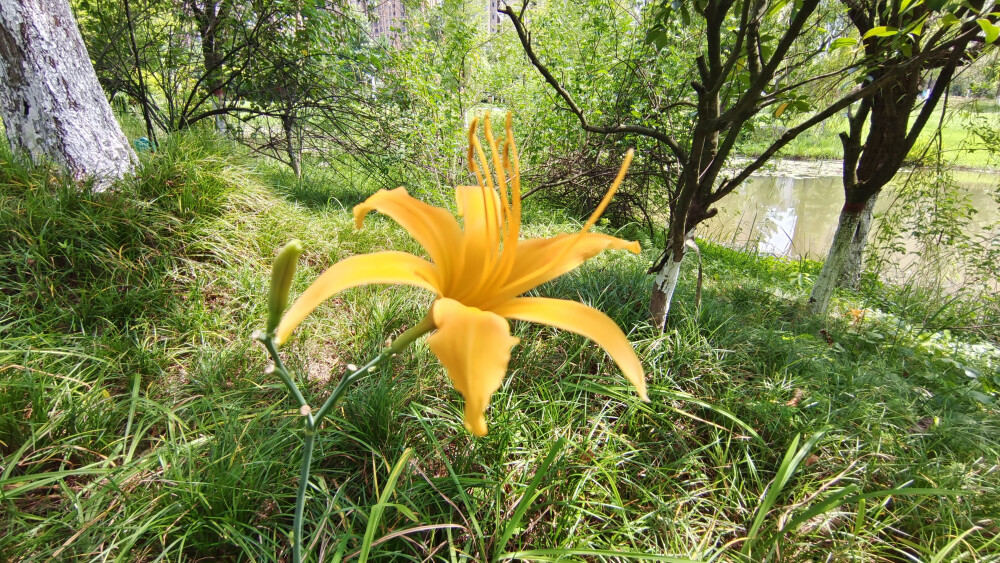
295 159
850 276
220 119
209 18
50 101
663 289
822 290
292 148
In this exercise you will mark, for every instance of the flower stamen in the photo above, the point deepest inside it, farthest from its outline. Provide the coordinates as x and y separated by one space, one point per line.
601 207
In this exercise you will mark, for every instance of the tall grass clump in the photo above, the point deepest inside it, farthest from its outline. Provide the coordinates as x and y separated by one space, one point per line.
136 422
104 321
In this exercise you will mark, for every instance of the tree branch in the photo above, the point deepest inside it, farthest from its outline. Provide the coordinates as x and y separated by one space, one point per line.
649 132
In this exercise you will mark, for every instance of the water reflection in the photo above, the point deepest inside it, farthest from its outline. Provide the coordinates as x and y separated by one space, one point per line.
796 215
782 215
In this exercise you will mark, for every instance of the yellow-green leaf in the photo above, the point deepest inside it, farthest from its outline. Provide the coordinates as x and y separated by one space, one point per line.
776 7
843 43
781 109
881 31
949 19
991 31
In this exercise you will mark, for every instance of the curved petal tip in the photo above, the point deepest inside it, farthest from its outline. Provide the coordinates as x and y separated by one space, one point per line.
474 346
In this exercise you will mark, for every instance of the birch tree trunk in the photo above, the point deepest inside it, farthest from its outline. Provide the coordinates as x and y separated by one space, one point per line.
665 282
292 147
52 106
664 285
850 276
823 288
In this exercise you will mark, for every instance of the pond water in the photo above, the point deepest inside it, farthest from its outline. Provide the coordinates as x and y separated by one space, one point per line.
793 211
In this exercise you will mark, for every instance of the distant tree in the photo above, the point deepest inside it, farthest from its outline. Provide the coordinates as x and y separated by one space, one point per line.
726 63
53 107
883 128
288 76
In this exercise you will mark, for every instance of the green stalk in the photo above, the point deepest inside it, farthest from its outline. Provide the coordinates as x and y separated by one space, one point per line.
300 498
313 421
279 367
401 342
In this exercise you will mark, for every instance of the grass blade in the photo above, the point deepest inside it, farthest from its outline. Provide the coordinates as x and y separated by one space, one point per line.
383 501
528 498
788 466
561 554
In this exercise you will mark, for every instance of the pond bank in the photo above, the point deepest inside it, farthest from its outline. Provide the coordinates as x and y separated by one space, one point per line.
823 167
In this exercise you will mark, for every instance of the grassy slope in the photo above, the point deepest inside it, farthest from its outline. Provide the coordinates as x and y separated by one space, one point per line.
136 424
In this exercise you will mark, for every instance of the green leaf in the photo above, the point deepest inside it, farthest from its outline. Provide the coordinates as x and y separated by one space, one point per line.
793 458
375 517
991 31
776 7
657 36
949 19
843 43
881 31
939 556
982 398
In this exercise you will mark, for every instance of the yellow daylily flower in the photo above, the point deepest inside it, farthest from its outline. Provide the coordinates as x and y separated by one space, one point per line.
478 271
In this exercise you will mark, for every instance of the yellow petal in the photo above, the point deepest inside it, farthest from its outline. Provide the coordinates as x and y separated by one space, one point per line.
474 347
381 267
542 260
585 321
433 227
480 208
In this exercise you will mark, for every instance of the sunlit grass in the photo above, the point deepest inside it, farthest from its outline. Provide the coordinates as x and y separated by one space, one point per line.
136 423
960 144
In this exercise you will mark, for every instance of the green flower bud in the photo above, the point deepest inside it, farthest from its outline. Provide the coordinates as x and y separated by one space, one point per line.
281 282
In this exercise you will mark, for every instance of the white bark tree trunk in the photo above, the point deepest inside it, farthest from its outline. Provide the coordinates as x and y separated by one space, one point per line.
293 146
51 104
664 285
819 299
665 282
854 264
220 119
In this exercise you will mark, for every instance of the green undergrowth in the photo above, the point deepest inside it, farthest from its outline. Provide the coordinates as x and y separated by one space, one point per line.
136 422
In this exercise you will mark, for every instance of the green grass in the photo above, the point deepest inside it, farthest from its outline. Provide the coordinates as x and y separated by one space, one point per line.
962 146
136 423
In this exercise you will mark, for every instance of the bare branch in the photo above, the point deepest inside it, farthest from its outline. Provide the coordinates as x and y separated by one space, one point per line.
649 132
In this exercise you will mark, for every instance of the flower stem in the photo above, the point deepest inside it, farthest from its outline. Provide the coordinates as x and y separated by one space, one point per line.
401 342
312 420
300 498
280 370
